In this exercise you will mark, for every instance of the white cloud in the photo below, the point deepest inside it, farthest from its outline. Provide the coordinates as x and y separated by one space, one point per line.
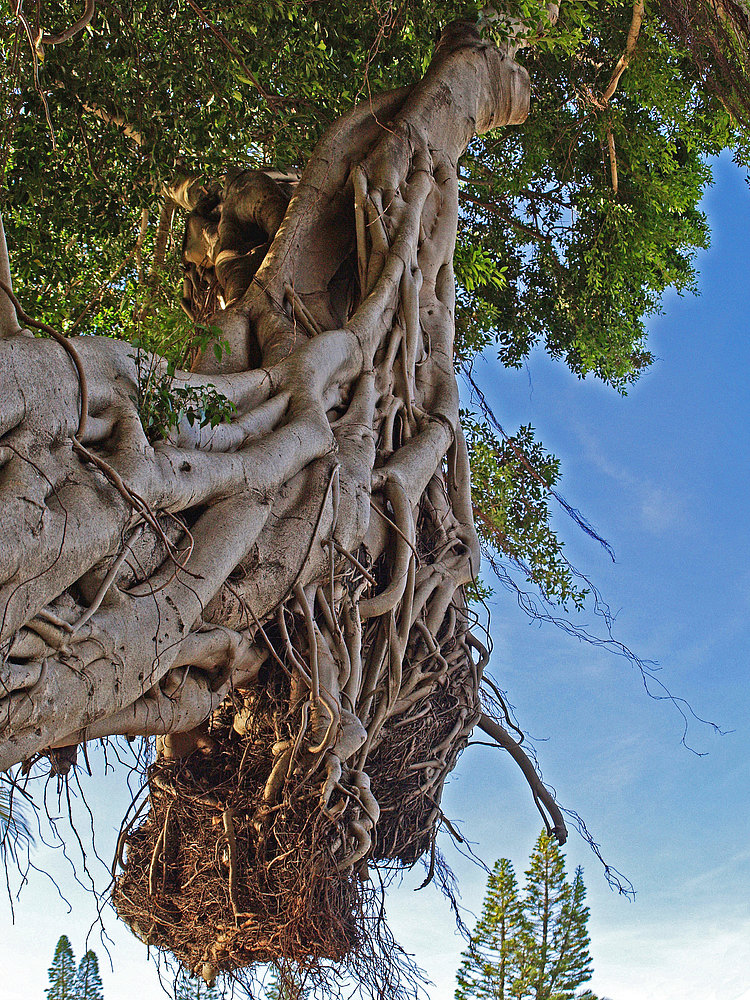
700 959
659 508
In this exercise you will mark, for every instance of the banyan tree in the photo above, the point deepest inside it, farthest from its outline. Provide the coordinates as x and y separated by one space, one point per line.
253 544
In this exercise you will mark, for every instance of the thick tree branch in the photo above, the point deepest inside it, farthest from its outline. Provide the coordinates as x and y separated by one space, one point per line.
231 583
541 793
64 36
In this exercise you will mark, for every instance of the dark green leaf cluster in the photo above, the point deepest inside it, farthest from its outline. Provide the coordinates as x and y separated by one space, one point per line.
530 945
163 401
592 206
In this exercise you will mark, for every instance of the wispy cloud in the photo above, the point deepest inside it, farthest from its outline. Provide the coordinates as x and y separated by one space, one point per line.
700 959
659 508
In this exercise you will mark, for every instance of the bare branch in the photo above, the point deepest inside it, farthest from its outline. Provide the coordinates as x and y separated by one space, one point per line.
112 119
624 61
541 793
612 160
521 227
68 33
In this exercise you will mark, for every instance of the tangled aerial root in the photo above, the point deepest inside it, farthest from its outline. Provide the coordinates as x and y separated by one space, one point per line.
716 33
264 891
268 880
311 673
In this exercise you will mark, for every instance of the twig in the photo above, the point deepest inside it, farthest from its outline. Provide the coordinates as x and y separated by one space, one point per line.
520 226
231 48
355 562
158 850
97 298
116 120
108 580
35 52
227 819
138 249
612 160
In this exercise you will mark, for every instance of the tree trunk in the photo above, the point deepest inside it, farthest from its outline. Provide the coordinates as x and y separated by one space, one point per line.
314 550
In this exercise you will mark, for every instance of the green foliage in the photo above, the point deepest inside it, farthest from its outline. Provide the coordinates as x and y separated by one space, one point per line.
67 983
534 945
475 268
494 959
510 487
585 264
558 958
162 401
63 983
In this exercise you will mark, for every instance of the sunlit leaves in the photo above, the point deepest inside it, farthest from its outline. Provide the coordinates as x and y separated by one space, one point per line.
511 484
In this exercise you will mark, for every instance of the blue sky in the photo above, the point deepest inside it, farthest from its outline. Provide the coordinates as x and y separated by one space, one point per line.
663 473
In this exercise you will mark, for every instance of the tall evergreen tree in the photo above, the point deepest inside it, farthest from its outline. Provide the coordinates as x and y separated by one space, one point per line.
88 979
493 962
62 973
534 945
572 966
288 982
548 907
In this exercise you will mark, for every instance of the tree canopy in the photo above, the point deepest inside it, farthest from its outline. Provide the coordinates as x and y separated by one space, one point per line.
70 983
62 972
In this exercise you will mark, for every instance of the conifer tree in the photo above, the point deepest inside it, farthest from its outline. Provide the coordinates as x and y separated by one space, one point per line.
288 982
534 945
88 979
572 966
493 962
62 973
547 904
194 988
